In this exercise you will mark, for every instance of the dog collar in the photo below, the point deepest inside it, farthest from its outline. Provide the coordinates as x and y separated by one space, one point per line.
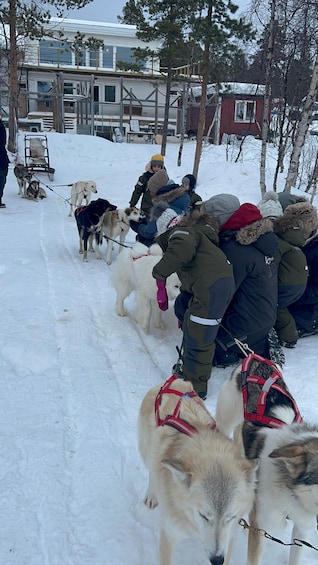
259 417
174 420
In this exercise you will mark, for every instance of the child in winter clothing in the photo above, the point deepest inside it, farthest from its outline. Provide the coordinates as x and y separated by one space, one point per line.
293 228
249 243
191 250
169 201
141 187
190 182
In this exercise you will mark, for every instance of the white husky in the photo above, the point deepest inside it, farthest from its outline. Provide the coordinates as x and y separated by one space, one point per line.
287 450
80 190
198 477
132 271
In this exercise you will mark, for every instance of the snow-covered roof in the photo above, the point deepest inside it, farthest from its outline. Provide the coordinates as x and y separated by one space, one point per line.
233 88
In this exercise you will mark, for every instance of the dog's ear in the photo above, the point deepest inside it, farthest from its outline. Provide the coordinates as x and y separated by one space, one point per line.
180 471
294 458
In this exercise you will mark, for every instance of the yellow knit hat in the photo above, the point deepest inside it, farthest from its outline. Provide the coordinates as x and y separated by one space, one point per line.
157 160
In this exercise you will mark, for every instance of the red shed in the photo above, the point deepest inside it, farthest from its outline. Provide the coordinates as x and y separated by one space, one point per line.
232 109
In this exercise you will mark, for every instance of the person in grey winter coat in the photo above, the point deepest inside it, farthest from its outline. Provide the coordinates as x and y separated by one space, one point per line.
4 161
191 250
251 246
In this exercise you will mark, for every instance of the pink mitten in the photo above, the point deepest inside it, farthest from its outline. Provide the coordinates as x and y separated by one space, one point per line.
162 297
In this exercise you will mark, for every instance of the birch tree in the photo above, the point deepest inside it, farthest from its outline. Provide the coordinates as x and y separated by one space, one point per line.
302 130
266 111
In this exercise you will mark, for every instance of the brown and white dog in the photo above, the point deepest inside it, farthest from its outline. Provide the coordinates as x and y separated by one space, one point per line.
23 176
80 190
116 225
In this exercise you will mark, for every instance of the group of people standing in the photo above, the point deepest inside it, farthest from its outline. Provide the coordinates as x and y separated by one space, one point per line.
247 272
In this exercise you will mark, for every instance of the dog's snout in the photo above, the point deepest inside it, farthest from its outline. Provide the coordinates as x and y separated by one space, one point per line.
216 559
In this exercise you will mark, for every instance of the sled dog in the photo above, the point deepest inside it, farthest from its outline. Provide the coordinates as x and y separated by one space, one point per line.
132 271
198 477
89 221
273 431
116 225
80 190
23 177
34 191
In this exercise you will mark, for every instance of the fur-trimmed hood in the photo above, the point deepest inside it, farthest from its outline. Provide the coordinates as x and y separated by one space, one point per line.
301 217
175 196
251 233
259 233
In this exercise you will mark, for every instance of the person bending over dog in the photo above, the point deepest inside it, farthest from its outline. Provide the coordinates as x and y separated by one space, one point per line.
207 285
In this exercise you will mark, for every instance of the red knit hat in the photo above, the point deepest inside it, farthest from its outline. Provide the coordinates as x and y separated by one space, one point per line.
245 215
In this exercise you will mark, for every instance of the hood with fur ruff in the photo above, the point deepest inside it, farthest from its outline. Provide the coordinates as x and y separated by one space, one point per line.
301 216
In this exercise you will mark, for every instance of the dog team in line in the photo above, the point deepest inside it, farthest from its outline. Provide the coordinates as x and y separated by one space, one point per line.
238 274
247 275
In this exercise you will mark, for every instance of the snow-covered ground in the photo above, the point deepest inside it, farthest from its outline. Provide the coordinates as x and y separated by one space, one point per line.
73 374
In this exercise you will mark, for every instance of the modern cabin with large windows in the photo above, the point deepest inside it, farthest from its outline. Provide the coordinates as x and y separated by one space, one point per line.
80 82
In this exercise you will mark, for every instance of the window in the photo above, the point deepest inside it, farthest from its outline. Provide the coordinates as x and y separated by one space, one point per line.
94 58
245 111
125 54
68 88
108 54
44 95
55 52
110 93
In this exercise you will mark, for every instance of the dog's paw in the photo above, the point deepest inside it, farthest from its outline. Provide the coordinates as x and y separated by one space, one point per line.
150 501
120 312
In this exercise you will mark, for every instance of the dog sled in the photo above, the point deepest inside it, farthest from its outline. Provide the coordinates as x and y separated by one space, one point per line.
36 154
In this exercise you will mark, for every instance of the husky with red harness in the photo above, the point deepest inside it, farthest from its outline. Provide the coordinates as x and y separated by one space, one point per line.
256 403
199 478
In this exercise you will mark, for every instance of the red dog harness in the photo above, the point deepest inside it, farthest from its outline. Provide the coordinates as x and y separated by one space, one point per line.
174 420
267 384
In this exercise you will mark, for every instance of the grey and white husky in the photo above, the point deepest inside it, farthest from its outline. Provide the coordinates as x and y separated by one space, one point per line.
199 478
272 430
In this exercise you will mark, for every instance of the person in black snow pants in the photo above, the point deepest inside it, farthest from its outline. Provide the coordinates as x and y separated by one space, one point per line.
191 249
4 161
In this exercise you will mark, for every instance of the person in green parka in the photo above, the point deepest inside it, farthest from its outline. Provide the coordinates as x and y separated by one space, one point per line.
207 285
293 228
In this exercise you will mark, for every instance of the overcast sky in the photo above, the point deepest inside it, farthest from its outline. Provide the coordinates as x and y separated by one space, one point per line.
108 10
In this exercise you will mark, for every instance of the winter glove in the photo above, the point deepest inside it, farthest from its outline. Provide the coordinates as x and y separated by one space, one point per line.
162 297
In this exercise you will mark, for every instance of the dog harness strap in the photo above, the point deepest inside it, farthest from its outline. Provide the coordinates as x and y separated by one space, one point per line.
267 384
140 256
174 420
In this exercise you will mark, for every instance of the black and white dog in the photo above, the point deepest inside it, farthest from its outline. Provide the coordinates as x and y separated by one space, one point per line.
89 221
271 430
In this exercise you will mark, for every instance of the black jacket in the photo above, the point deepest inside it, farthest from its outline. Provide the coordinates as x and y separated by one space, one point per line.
252 250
